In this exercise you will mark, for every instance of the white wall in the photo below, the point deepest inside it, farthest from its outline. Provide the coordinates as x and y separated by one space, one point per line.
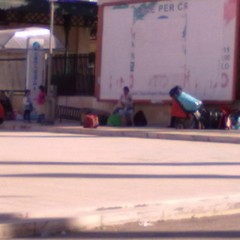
12 73
156 114
153 46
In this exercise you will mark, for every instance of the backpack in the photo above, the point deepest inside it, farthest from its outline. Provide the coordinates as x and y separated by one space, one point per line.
216 119
90 121
211 118
139 119
102 119
114 120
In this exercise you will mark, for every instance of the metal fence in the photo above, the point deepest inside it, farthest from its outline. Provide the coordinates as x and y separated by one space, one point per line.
74 74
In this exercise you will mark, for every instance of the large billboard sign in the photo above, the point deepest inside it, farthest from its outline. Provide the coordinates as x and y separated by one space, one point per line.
153 46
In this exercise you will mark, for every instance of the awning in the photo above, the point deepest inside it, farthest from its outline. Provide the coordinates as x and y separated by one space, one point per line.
17 39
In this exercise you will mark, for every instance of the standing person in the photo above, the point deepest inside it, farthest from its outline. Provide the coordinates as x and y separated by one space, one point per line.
27 106
176 113
7 105
41 99
126 107
1 113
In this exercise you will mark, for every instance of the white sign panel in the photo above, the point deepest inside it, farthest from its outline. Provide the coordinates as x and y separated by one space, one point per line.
153 46
35 65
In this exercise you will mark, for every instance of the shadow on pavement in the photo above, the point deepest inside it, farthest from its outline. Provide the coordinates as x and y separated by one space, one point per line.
61 135
121 176
13 226
177 164
156 235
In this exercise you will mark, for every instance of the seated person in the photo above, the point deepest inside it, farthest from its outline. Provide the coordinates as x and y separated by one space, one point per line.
125 107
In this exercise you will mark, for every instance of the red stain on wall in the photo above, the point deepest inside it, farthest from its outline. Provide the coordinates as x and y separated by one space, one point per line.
230 10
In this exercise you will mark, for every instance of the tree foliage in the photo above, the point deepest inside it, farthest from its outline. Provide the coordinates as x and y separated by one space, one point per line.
77 8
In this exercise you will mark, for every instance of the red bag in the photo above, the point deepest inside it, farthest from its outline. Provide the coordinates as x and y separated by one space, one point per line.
90 121
1 111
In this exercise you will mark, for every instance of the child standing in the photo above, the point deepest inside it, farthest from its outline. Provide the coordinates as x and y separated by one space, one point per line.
27 106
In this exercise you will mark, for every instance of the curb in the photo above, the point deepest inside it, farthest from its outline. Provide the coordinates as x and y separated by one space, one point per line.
143 214
151 133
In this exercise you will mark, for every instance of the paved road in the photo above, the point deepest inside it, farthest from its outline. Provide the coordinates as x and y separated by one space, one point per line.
115 180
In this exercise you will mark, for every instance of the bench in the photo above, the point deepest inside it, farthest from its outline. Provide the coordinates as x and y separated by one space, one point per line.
77 114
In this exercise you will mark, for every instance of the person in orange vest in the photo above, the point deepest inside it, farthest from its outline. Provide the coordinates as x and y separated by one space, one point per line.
176 112
1 113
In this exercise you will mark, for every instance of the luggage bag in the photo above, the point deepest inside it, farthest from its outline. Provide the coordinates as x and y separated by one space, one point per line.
90 121
189 103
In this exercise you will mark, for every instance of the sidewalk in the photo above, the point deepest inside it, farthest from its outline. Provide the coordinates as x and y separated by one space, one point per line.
207 135
118 182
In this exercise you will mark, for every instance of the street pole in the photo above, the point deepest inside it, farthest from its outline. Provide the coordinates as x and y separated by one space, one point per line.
51 26
50 44
50 89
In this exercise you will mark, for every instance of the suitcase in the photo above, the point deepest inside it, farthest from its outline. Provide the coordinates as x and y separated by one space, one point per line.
90 121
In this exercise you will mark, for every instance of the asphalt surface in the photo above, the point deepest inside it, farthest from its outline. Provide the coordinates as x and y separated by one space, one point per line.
62 176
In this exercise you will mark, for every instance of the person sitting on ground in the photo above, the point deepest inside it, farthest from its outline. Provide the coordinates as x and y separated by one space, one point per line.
125 107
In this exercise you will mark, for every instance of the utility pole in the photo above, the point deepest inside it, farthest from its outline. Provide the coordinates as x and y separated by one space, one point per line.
51 91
